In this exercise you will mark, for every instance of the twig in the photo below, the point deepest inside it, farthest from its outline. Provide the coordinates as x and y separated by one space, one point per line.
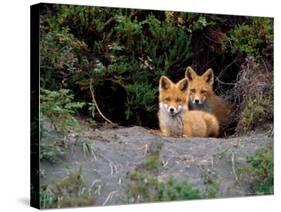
220 154
230 64
112 166
97 187
109 197
96 105
233 166
224 83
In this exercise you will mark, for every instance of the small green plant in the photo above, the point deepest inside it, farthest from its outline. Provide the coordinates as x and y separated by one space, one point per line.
152 160
258 110
51 152
177 190
212 186
148 188
260 171
48 198
59 107
70 191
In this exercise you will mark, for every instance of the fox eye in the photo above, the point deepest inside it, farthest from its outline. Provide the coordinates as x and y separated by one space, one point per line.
167 99
203 91
178 100
192 90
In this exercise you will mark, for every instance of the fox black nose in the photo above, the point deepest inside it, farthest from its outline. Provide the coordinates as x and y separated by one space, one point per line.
197 101
172 110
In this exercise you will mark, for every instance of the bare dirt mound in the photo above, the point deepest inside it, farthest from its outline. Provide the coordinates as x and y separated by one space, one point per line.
117 152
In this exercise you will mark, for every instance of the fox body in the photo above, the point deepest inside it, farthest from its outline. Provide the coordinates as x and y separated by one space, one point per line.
174 117
202 97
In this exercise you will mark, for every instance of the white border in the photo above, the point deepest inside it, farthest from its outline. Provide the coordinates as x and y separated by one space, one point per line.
14 113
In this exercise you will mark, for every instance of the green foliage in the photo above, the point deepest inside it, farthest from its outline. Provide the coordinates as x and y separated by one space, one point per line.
140 98
258 110
152 162
177 190
82 43
212 186
254 38
51 152
48 198
125 51
70 191
62 57
147 188
260 171
59 107
256 86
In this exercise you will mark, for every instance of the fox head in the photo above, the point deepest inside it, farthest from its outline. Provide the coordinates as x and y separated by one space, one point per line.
173 96
200 87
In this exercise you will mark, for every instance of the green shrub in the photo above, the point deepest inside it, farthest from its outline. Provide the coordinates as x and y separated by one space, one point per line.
125 51
113 46
257 112
52 152
260 171
59 108
177 190
254 38
70 191
62 58
212 186
254 94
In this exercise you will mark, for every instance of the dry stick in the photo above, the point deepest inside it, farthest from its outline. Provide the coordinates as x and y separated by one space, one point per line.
112 166
225 83
233 166
109 197
96 105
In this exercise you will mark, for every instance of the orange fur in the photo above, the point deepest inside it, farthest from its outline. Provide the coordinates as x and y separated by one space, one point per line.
174 117
202 97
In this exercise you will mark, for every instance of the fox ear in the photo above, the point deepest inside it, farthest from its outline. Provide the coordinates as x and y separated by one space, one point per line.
208 76
164 83
183 85
190 74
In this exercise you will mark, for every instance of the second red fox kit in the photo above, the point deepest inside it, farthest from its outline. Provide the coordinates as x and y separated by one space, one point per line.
202 97
174 117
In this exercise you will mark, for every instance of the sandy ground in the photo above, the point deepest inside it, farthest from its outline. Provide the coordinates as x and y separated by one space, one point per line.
119 151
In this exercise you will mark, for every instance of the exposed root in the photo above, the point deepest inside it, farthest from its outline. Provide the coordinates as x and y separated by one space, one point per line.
96 105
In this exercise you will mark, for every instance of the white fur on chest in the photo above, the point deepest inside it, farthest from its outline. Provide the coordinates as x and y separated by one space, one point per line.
174 124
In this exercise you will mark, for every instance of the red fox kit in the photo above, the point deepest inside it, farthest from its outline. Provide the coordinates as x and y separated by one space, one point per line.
174 117
202 97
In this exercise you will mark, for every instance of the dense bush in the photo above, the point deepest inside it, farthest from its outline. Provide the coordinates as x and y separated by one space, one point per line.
253 95
254 38
260 171
125 51
70 191
59 107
